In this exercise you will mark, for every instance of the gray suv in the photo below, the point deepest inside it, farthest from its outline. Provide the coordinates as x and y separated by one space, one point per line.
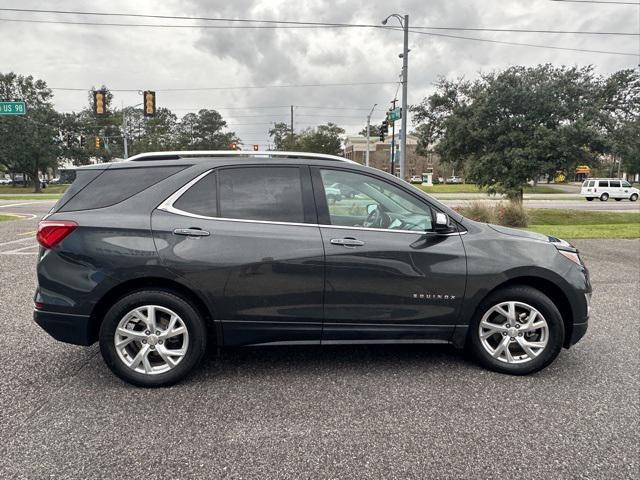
159 256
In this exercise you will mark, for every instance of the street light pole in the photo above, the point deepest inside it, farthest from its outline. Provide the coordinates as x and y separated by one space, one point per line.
369 133
404 23
405 113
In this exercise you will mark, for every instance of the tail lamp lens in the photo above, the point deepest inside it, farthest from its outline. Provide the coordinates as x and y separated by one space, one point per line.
50 233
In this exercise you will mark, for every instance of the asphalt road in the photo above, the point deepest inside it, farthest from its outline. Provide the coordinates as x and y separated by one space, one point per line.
331 412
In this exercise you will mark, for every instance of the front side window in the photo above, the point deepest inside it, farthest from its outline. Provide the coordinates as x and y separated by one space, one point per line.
603 183
261 193
614 184
591 183
356 200
626 184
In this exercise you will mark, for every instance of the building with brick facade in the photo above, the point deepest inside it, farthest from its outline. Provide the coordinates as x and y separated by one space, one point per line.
355 147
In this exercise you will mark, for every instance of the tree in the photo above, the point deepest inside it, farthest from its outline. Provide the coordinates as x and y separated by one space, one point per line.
510 127
283 138
322 139
203 131
29 143
374 131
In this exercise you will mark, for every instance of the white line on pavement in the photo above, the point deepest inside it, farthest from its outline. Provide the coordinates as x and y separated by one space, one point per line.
16 241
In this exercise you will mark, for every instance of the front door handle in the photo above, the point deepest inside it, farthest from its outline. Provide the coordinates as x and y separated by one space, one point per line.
191 232
347 242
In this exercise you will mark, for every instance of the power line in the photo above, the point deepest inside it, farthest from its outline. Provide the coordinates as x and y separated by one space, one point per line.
598 1
271 23
244 87
534 45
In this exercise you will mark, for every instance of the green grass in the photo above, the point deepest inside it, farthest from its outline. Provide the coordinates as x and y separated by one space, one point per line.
4 218
544 216
572 232
51 189
471 188
576 224
30 196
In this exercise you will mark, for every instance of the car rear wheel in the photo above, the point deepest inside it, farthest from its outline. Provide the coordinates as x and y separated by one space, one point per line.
516 330
152 338
633 197
604 197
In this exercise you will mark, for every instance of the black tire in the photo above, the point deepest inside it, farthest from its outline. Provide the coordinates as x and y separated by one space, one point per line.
589 199
633 197
604 197
196 327
540 302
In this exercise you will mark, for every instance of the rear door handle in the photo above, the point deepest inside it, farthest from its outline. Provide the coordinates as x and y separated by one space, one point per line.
347 242
191 232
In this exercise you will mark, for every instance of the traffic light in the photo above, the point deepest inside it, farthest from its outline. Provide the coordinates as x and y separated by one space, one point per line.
233 146
384 128
149 104
97 143
99 102
256 148
83 141
69 140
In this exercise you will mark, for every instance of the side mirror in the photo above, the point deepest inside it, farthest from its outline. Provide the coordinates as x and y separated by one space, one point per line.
372 207
441 225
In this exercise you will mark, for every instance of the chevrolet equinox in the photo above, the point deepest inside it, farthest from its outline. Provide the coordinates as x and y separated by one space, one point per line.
160 255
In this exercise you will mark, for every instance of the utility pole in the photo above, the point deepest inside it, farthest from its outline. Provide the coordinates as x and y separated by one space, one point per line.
393 140
369 133
405 76
124 133
291 121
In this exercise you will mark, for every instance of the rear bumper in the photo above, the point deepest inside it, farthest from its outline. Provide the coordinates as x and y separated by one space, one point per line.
64 327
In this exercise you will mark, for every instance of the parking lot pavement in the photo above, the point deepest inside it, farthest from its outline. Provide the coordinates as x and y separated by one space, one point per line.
332 412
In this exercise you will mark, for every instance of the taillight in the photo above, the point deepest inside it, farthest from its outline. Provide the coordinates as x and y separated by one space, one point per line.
51 232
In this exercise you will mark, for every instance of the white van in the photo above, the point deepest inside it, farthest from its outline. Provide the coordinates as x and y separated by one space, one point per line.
605 188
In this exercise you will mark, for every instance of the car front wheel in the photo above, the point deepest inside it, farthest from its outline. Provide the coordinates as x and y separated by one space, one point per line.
152 338
517 330
633 197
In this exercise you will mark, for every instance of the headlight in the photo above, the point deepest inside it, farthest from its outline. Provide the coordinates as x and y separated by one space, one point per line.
573 256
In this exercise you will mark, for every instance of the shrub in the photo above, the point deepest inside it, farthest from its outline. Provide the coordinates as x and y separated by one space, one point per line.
511 214
478 211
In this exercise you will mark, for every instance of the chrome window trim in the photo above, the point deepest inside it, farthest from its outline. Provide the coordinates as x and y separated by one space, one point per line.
167 206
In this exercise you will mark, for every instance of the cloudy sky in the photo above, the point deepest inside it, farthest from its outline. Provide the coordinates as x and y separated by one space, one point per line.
81 56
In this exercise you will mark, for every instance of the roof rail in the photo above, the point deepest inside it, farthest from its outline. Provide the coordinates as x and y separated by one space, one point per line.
175 155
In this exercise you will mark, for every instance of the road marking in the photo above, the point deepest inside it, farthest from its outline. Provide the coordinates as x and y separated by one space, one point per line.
26 233
17 204
20 251
15 241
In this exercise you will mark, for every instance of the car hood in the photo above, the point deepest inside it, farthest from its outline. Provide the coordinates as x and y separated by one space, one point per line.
514 232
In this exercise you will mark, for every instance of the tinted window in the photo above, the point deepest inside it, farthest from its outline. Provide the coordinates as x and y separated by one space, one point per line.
603 183
200 198
80 180
116 185
592 183
261 193
625 184
357 200
614 184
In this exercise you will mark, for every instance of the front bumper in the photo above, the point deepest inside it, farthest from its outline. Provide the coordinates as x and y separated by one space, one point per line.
65 327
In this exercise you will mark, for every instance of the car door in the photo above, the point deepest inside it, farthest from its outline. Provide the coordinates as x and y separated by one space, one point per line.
246 238
388 276
615 189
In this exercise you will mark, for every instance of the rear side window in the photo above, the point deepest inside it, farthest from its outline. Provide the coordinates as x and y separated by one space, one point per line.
80 180
614 184
603 183
261 193
116 185
200 198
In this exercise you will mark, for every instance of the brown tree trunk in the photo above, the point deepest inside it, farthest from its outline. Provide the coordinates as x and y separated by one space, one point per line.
36 179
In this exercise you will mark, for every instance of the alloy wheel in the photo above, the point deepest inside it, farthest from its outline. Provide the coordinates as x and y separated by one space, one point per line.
513 332
151 339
